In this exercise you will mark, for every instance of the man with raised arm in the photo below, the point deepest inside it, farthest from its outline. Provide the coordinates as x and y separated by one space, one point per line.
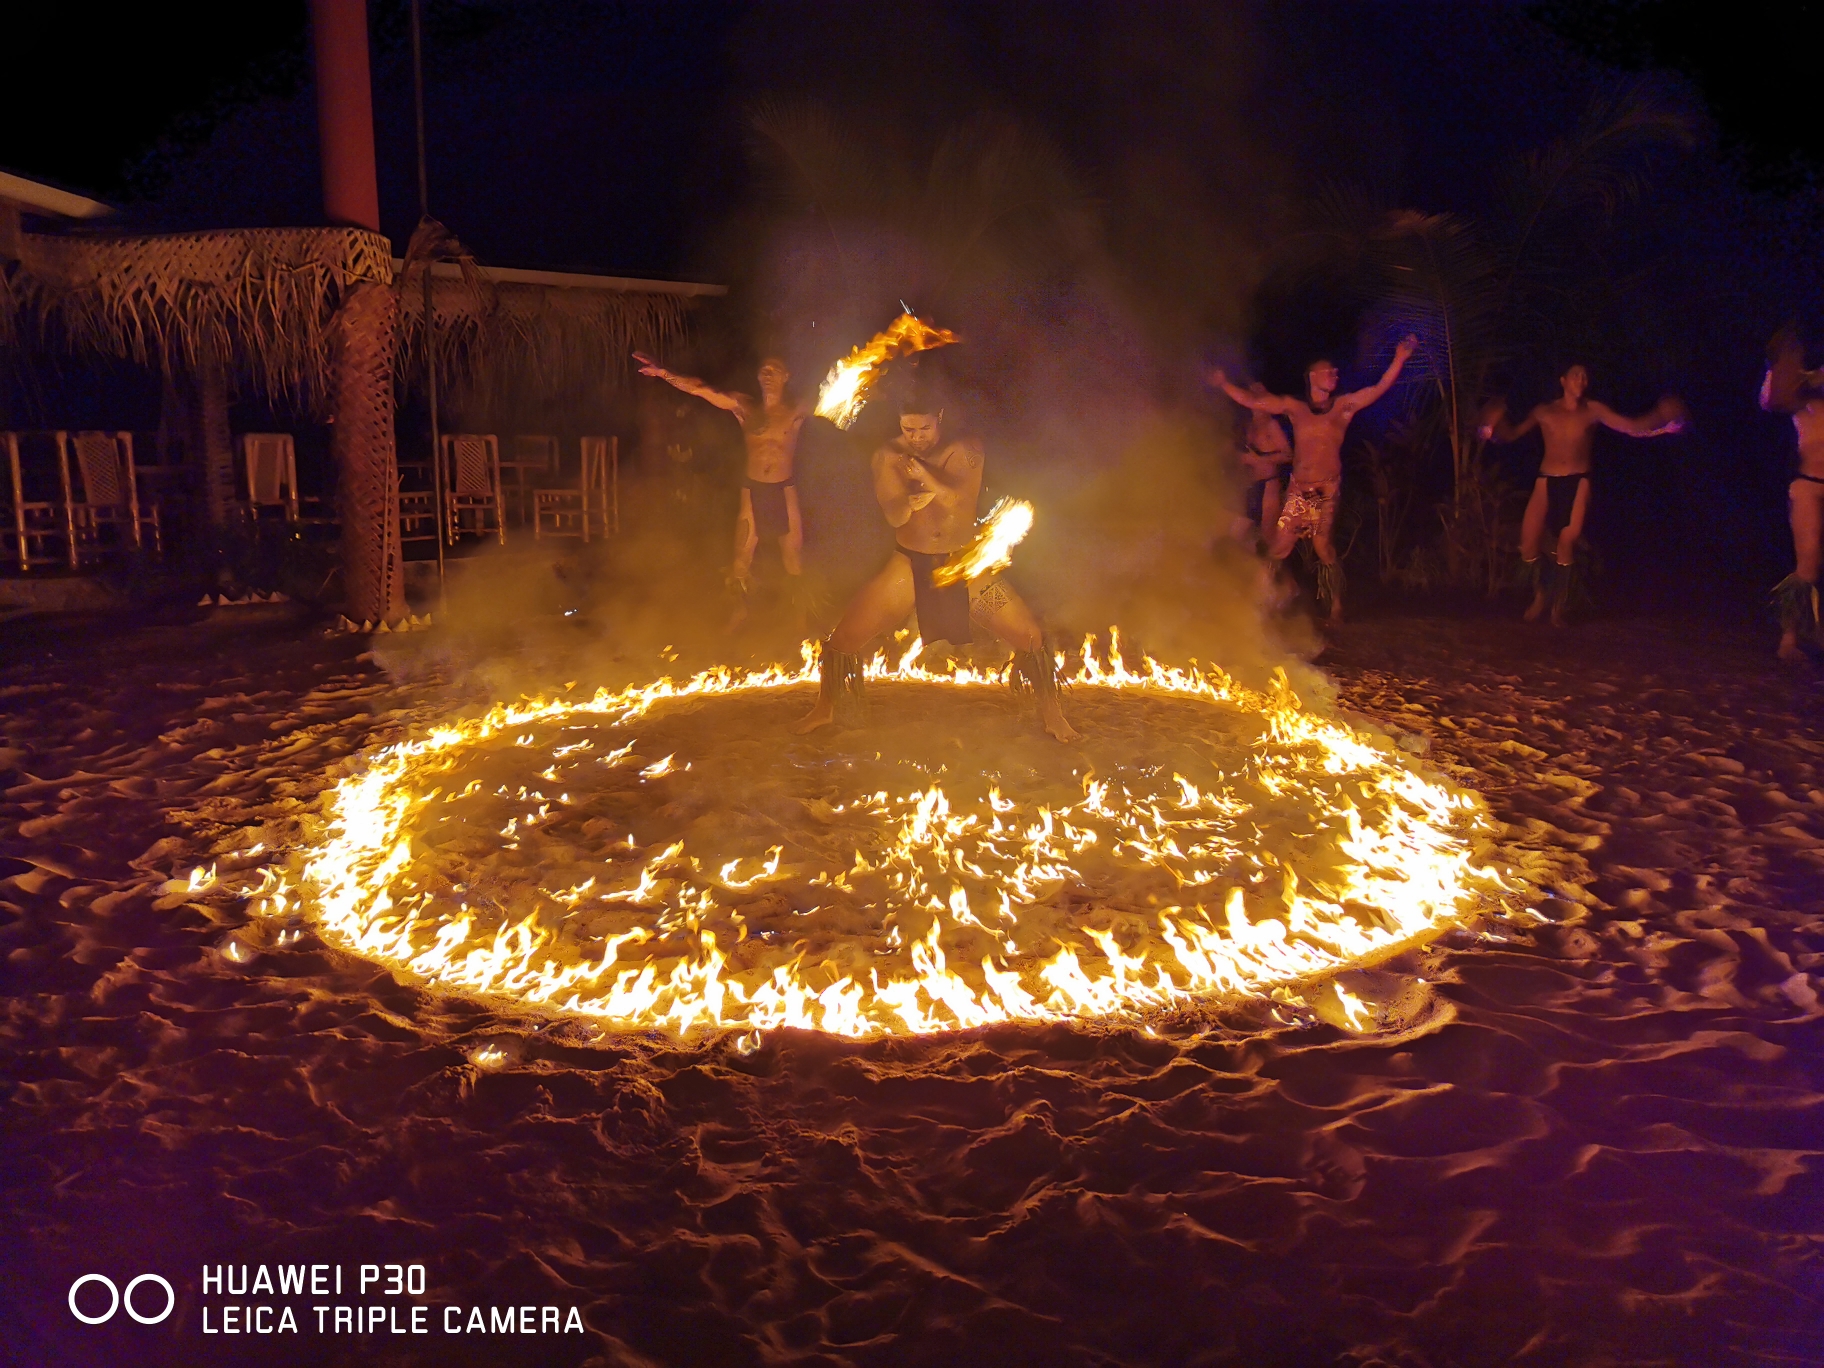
1318 425
1264 455
1561 494
769 500
928 486
1791 389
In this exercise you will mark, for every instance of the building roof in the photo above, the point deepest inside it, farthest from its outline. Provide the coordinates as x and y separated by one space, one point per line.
574 280
38 198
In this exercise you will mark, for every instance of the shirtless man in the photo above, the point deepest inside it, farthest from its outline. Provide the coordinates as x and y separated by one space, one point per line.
1264 455
928 486
1561 494
1790 388
1318 425
769 500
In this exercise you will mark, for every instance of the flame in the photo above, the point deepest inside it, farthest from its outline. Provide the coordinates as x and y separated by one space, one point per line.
1004 528
958 883
846 388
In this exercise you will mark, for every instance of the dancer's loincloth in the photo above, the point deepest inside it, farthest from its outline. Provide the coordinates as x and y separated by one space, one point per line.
943 611
772 514
1561 499
1310 508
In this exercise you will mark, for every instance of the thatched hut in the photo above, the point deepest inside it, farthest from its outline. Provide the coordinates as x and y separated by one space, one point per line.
313 317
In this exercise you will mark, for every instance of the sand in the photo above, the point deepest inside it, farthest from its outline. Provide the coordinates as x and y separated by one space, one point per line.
1588 1140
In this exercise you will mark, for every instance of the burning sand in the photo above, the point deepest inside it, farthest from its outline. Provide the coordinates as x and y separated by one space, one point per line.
659 858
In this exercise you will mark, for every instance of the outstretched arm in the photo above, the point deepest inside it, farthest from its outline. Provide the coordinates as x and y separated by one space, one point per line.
1364 397
1667 416
722 399
1495 427
1257 399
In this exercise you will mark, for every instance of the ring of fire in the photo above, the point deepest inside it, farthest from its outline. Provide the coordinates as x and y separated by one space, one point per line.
1230 842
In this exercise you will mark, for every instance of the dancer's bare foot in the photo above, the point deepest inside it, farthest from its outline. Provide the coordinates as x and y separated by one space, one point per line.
1789 648
1051 717
1536 608
822 714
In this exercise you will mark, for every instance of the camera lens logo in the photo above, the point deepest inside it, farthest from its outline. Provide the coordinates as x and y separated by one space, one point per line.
118 1299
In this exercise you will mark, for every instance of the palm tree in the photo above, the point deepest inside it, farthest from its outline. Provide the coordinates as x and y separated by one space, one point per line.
1477 294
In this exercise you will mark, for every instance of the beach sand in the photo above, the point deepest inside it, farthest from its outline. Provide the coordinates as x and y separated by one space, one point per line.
1593 1139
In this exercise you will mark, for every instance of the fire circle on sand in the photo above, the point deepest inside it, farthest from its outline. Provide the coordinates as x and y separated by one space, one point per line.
670 857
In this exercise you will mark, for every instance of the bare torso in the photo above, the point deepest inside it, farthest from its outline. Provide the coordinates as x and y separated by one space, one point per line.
1317 439
1566 433
1267 449
1808 422
951 474
771 434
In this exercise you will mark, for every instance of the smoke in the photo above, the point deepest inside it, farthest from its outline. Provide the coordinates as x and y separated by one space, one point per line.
1084 387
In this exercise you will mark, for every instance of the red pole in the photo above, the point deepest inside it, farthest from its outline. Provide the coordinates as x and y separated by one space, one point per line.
345 113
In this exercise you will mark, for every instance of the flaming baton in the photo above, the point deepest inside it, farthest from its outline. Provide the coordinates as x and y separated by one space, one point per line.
991 548
845 388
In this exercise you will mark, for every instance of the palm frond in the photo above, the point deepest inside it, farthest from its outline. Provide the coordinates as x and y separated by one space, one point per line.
1556 195
259 302
993 176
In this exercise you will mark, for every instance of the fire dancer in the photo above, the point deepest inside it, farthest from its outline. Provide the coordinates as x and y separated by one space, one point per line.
1561 493
1791 389
928 487
769 500
1318 425
1264 455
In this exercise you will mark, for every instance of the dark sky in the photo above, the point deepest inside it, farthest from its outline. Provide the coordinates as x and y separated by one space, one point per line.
608 134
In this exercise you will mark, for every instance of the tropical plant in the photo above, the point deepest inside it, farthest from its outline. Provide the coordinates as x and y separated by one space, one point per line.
1479 294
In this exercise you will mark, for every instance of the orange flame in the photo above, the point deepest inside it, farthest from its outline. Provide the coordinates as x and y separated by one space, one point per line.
991 549
968 879
846 388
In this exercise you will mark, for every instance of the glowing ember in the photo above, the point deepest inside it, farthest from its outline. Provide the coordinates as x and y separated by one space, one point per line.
845 389
1004 528
951 899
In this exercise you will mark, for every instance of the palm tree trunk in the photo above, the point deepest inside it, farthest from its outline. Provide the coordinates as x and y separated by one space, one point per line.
215 441
367 477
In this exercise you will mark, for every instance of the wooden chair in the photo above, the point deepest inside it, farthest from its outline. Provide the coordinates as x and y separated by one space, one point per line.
271 463
417 515
110 495
473 501
607 453
37 531
579 509
531 461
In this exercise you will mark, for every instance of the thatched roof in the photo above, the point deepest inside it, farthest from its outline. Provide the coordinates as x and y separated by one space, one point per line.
503 335
258 300
262 300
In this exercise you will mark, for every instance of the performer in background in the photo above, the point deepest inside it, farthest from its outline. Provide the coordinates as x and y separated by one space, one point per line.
1318 425
1265 454
770 425
1791 389
1560 502
928 487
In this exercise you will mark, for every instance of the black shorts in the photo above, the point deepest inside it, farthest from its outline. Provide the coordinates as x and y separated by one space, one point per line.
772 517
1560 500
943 612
